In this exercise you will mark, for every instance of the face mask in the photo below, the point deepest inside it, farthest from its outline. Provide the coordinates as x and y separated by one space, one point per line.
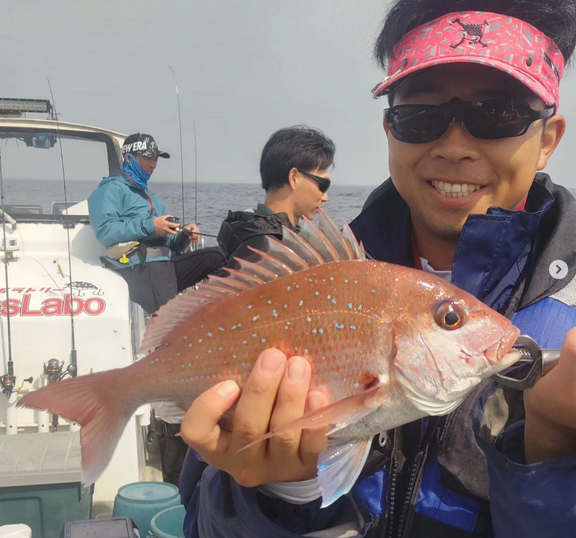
136 172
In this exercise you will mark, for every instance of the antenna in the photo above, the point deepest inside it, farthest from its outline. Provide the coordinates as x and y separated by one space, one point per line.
73 367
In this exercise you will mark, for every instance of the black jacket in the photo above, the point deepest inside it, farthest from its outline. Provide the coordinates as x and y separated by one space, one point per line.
243 229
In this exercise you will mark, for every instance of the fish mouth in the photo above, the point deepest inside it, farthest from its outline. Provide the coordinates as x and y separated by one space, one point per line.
501 351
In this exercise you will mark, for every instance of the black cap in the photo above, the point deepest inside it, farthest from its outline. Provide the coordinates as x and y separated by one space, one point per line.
142 144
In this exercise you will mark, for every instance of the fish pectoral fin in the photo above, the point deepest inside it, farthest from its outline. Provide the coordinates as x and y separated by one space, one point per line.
424 402
340 465
169 411
337 414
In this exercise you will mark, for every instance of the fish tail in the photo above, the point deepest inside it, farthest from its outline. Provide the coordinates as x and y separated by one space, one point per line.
98 404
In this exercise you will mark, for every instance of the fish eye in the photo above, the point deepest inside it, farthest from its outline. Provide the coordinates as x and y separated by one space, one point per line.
450 316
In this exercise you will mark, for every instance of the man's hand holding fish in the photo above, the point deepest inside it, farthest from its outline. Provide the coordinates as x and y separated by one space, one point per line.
550 431
275 393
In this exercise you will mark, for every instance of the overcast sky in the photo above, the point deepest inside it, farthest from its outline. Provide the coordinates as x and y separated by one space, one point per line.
244 68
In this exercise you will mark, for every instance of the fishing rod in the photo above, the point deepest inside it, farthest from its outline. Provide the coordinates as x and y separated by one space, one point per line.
181 145
73 366
182 155
195 175
8 380
189 232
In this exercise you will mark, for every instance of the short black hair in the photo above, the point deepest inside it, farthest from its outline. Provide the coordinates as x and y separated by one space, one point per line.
299 147
554 18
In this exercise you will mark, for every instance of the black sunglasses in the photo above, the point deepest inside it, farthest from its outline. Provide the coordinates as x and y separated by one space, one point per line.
487 120
323 183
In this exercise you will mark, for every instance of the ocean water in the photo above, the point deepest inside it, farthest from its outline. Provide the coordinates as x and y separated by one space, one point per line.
214 199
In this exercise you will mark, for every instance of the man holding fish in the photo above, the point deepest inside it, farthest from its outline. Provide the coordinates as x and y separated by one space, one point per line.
472 121
392 345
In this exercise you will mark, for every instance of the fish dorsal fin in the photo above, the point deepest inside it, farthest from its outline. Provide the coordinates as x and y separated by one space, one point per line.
314 245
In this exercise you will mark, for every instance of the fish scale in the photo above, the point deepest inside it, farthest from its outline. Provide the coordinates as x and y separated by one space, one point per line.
323 332
387 344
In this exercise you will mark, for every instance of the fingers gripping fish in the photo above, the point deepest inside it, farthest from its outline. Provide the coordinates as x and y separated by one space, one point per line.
389 344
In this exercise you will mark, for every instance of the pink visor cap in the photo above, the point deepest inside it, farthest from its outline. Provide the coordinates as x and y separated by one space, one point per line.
505 43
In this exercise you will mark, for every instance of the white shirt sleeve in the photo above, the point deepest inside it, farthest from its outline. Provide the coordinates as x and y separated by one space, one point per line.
301 492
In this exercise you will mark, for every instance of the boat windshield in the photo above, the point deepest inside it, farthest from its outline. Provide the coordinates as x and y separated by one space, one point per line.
32 169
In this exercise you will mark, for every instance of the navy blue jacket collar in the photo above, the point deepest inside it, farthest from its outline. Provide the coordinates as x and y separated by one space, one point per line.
497 254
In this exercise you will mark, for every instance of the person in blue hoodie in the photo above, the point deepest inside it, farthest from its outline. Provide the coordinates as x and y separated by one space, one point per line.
124 210
472 120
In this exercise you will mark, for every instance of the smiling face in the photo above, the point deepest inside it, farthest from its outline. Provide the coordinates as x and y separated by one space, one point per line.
446 180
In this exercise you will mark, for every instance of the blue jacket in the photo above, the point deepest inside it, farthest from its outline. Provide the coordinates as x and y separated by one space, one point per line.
121 211
461 475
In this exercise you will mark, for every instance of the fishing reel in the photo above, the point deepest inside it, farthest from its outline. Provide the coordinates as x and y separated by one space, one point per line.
54 370
180 228
8 382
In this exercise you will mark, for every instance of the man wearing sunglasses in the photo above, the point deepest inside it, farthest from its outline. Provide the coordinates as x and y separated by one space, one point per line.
295 173
471 122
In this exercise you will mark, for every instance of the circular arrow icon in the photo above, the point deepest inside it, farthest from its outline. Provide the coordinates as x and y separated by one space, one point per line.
558 269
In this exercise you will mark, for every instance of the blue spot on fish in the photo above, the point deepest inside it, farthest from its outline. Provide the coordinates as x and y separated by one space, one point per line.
263 340
321 331
255 318
300 303
349 305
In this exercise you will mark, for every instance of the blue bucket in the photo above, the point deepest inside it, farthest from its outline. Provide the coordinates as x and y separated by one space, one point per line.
168 523
141 501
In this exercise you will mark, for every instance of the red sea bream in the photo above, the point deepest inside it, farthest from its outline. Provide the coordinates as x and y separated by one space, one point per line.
389 344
